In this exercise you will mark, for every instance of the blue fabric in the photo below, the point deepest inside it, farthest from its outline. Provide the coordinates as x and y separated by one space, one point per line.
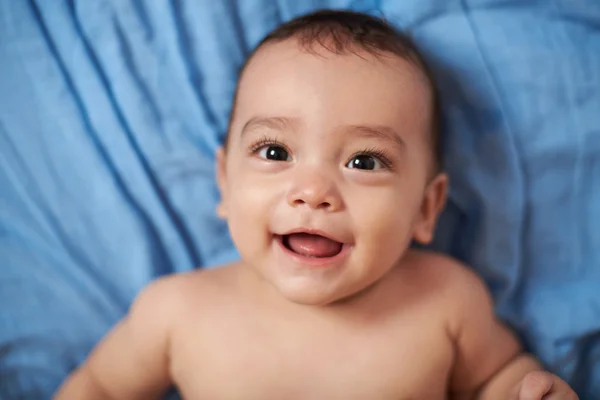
111 111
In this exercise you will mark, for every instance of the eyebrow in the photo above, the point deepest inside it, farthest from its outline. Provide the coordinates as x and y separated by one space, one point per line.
275 123
380 132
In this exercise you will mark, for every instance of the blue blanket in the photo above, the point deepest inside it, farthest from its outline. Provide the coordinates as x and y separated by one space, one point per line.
111 111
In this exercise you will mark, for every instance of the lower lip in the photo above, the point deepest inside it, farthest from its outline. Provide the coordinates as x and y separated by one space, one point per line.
317 262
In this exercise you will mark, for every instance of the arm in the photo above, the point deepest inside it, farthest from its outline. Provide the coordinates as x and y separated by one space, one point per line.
483 345
490 364
531 383
132 361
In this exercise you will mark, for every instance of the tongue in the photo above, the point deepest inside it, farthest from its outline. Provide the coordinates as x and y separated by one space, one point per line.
313 245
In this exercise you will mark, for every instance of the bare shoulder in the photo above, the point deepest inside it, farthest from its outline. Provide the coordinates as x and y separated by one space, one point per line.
442 269
483 343
455 286
168 298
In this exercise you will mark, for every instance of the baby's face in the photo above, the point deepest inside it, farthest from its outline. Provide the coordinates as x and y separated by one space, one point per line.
326 178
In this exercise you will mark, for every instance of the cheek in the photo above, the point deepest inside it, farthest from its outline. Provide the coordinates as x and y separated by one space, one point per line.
386 216
249 206
246 202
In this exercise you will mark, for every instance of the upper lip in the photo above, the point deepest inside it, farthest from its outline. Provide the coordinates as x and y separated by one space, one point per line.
311 231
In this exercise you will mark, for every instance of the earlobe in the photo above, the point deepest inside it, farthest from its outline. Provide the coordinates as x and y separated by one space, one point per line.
221 211
433 203
221 182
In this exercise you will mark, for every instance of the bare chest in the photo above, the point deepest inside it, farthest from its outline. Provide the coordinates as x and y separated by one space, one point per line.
241 359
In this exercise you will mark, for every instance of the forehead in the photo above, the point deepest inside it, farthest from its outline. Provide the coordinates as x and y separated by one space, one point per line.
321 88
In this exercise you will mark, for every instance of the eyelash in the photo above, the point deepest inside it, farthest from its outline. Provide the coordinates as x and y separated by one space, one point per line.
264 141
381 155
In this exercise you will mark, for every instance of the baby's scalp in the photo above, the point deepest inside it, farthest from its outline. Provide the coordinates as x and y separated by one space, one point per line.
351 33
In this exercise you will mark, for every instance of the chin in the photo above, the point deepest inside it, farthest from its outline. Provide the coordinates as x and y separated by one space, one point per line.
309 295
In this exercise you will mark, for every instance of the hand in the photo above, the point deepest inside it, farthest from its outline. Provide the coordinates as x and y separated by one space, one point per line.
541 385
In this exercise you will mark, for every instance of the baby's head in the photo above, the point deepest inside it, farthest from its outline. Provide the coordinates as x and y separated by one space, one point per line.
331 165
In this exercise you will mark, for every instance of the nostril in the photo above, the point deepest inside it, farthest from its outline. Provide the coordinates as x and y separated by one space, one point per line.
325 204
316 205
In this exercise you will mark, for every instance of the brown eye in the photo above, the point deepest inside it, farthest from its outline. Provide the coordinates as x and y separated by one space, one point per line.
274 153
364 161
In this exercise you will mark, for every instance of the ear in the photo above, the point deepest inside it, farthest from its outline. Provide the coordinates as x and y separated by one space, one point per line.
221 161
433 203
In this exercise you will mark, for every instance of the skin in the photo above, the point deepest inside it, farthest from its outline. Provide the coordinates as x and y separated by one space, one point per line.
381 321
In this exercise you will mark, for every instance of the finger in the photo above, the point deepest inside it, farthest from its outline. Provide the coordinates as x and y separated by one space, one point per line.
535 385
561 396
560 391
514 393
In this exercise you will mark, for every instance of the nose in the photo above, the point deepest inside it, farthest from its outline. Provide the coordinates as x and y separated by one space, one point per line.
316 190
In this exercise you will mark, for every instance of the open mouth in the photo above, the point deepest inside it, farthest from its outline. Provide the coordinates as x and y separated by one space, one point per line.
311 245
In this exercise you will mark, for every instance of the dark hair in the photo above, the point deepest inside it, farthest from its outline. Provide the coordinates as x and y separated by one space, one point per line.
342 32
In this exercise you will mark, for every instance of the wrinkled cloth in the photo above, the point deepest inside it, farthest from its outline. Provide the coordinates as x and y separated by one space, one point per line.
111 112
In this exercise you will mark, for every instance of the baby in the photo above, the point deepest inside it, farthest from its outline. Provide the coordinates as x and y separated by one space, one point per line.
329 172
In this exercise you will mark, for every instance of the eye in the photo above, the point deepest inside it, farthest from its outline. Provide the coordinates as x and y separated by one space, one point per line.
365 161
274 153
